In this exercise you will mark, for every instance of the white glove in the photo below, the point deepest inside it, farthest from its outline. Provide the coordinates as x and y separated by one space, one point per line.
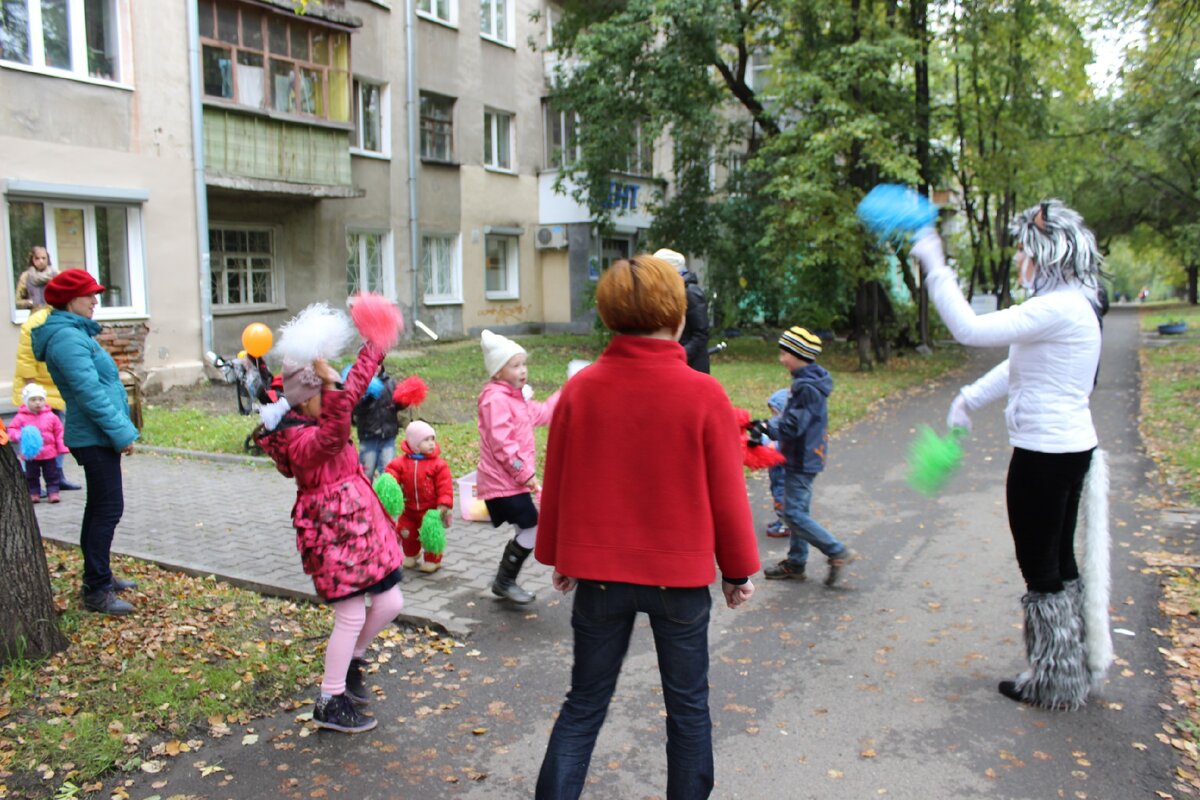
928 250
958 417
527 392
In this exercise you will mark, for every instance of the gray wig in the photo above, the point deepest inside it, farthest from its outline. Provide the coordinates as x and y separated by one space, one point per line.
1063 248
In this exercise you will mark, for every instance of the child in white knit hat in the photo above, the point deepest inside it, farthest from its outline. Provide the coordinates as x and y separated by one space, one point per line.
507 479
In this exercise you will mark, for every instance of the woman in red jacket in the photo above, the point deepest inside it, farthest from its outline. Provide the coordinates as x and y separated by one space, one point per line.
636 528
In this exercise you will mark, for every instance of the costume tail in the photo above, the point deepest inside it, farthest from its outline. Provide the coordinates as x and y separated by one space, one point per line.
1096 572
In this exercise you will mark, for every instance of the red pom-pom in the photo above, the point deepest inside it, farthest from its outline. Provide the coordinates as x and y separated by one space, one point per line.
742 416
761 457
378 319
410 392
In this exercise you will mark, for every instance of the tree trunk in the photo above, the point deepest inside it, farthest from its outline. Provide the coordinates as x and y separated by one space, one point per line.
920 27
862 333
1191 279
28 627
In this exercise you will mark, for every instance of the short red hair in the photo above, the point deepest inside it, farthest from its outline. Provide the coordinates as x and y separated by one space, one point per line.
641 295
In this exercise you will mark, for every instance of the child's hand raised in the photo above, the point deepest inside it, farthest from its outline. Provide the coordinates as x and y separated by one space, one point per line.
328 375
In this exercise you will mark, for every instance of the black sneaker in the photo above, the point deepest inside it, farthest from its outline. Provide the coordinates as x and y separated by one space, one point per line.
107 602
338 713
784 571
837 563
355 689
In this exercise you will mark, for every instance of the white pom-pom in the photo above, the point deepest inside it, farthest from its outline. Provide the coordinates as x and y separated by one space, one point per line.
527 392
272 413
317 332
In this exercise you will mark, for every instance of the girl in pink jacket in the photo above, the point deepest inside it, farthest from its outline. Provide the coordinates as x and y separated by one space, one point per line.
507 479
48 430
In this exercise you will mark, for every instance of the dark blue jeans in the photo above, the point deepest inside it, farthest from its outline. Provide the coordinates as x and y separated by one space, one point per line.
105 505
602 618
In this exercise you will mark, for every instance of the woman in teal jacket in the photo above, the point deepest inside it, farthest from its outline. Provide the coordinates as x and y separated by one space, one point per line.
98 428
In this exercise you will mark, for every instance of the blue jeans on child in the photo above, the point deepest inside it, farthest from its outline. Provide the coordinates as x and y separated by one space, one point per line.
375 454
797 501
603 618
776 476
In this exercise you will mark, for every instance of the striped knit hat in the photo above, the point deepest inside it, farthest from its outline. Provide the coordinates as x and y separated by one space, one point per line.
800 343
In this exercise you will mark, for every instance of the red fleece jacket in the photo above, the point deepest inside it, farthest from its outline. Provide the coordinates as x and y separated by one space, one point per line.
644 479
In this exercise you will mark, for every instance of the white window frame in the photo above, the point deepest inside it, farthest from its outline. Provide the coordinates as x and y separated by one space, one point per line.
488 17
78 43
512 288
387 273
451 18
385 120
277 299
86 199
570 151
492 119
451 295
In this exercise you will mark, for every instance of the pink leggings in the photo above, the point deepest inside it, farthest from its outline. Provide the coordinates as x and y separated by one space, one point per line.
354 626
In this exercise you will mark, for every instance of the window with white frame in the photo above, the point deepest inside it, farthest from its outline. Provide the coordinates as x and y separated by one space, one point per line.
496 20
372 127
562 144
641 158
445 11
75 36
437 127
368 261
502 267
497 140
441 267
104 238
242 265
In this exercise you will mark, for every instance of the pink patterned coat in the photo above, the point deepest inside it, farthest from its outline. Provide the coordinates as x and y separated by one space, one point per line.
343 534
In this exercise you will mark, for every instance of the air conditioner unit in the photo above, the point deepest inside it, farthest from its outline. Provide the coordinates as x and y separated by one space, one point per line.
551 237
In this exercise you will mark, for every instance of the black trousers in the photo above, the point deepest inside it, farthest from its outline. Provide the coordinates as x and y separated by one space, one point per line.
103 510
1043 492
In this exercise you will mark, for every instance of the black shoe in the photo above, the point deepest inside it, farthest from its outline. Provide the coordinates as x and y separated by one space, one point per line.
67 486
355 689
837 563
338 713
122 585
505 584
784 571
107 602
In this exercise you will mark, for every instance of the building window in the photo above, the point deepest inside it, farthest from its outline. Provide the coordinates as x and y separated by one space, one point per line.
441 267
441 10
372 128
368 258
437 127
102 238
497 140
495 20
503 262
75 36
274 61
242 265
562 144
641 158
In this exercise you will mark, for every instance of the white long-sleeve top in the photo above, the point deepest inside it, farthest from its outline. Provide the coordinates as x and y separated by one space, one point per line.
1053 344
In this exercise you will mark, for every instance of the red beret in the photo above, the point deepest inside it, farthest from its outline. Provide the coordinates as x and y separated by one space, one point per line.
69 284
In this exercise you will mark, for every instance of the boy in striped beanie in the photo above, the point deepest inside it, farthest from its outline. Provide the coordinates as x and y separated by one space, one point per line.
801 431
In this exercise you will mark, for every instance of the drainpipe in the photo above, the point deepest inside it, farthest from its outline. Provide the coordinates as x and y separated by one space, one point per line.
414 228
206 318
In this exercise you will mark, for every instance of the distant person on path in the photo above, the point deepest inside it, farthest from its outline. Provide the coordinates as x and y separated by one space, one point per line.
98 429
428 487
31 286
47 430
777 529
802 433
1053 341
343 533
507 479
695 327
376 422
644 492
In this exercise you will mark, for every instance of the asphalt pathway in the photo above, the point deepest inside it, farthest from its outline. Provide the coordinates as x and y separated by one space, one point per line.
882 687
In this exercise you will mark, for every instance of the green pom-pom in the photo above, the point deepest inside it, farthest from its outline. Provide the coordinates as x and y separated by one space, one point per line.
932 459
433 532
389 493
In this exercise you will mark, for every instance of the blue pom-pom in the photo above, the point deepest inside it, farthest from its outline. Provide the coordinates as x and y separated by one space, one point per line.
894 212
374 388
31 442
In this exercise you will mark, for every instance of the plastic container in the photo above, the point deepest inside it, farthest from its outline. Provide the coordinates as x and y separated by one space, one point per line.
470 507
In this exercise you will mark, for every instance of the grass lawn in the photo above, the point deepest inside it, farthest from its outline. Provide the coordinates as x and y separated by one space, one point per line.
454 372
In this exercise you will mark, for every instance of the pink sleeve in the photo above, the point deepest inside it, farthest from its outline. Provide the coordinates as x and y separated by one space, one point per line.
544 412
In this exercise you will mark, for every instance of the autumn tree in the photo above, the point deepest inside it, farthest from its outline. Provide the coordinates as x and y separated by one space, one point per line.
28 627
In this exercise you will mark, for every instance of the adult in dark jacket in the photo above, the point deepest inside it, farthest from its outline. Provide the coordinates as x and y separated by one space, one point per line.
98 428
695 324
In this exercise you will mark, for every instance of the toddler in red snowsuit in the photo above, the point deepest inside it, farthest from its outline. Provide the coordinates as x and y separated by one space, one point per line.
425 479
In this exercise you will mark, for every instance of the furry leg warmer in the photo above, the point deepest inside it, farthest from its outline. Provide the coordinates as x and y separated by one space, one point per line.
1058 676
1096 574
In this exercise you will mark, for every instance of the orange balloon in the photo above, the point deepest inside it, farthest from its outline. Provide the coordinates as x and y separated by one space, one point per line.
257 339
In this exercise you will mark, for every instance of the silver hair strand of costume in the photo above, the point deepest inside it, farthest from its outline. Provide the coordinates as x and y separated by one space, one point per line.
1064 249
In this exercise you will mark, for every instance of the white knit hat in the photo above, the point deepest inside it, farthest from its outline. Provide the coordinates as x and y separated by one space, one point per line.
676 260
32 390
497 350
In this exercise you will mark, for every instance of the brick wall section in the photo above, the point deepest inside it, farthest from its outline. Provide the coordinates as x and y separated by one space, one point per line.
126 343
